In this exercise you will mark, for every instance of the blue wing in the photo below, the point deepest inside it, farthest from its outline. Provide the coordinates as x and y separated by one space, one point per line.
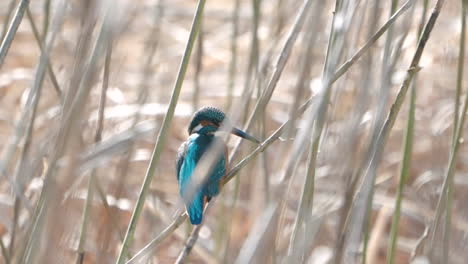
194 204
186 164
180 157
212 185
189 154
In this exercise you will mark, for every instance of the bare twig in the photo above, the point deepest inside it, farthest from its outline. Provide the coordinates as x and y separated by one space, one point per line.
189 243
180 219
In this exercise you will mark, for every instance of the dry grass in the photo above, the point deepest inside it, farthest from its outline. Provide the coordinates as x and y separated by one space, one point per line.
69 186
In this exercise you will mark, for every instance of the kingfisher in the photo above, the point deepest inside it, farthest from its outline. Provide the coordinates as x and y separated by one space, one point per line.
204 130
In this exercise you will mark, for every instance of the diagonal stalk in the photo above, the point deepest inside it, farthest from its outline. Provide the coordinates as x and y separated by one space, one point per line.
160 141
364 196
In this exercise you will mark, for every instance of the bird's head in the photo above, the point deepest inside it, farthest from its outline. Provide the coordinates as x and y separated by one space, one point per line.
213 118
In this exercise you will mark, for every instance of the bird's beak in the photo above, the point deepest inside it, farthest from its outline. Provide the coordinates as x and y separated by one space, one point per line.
242 134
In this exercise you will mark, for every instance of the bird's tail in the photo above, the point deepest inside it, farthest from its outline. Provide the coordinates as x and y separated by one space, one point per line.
195 209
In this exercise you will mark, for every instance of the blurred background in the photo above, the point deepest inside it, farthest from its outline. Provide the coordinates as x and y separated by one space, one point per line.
85 86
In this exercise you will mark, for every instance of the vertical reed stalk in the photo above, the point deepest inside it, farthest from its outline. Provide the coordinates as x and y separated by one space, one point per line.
458 127
364 195
97 139
233 49
160 141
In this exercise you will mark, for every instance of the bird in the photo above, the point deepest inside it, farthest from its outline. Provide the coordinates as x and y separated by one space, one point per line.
204 130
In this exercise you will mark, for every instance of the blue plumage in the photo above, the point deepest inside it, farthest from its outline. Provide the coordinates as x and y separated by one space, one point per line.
202 128
190 153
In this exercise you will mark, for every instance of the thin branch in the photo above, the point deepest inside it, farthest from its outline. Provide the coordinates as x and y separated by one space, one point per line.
190 242
151 246
344 68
